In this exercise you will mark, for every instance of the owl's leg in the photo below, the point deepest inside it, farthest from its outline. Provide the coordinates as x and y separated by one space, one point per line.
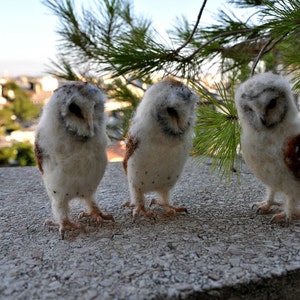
138 202
165 203
265 206
94 211
288 213
60 209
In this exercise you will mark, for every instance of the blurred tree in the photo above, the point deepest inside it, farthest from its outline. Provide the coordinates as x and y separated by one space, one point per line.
7 155
19 154
7 122
12 117
21 105
24 154
108 39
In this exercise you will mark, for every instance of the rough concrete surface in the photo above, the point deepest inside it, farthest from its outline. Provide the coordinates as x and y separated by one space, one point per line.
221 250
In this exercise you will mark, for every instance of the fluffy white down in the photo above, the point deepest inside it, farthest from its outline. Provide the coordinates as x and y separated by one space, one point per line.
159 159
263 150
72 168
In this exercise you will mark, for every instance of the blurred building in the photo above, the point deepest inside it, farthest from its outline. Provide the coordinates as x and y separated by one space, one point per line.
42 89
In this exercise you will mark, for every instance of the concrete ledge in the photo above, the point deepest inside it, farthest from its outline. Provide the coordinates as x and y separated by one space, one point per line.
220 250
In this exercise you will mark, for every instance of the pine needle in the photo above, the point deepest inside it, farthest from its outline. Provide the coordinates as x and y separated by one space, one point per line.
217 130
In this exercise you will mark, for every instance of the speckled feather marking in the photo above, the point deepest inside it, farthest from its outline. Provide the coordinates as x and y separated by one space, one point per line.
292 155
38 156
131 145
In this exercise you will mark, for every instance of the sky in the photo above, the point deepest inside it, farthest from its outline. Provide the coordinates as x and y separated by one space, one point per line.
28 29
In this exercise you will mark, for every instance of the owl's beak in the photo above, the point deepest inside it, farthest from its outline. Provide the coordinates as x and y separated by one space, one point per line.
91 124
263 119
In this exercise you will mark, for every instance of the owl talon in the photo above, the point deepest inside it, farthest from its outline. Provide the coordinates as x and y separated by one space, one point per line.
138 209
107 217
96 215
264 207
128 204
170 209
146 213
255 206
181 209
281 217
64 226
260 211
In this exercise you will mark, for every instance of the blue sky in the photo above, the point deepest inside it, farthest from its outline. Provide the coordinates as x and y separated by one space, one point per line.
28 38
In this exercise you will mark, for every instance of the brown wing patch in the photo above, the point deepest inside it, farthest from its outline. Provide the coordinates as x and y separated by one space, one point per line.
131 145
38 155
292 155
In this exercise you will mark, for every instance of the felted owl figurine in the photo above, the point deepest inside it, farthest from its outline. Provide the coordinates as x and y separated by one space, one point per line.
70 150
270 138
158 144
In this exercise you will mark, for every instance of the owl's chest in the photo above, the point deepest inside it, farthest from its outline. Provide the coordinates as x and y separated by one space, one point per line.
154 166
83 151
83 160
75 164
264 156
161 152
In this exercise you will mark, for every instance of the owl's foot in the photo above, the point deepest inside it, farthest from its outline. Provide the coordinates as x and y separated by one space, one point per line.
64 226
264 207
283 217
170 209
96 215
138 210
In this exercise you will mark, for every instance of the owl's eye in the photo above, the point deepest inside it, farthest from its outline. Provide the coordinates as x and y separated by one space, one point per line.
172 112
272 104
248 108
76 110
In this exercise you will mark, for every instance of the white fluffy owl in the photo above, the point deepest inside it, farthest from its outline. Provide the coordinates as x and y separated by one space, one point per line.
158 144
70 149
271 138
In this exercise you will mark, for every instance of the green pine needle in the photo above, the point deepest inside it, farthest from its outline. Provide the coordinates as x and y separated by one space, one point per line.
217 130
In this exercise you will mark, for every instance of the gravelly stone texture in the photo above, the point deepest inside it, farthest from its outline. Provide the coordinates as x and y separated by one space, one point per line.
221 250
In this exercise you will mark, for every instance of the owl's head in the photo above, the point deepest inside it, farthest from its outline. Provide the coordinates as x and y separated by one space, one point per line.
80 108
172 106
264 101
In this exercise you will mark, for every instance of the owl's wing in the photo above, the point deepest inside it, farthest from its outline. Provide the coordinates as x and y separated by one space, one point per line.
131 145
38 152
292 155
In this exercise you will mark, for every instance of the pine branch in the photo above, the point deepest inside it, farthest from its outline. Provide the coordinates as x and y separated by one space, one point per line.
260 55
218 130
118 43
194 29
217 37
264 50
